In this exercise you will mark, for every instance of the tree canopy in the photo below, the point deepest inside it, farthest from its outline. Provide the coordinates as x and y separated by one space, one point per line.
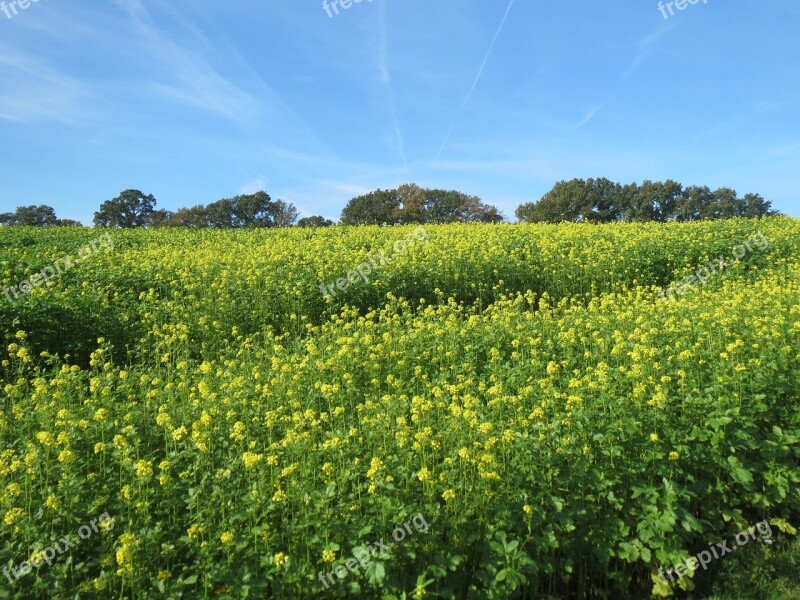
35 216
131 208
603 201
314 221
249 210
410 203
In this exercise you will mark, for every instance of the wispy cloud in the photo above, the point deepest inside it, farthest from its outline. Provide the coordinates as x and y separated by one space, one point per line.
256 185
386 79
353 189
647 47
191 79
40 92
589 116
476 80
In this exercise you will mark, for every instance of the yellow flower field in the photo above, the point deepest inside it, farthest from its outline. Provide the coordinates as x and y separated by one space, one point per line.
524 389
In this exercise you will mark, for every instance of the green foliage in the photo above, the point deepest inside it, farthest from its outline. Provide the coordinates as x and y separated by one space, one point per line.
35 216
131 208
602 201
244 211
563 431
412 204
315 221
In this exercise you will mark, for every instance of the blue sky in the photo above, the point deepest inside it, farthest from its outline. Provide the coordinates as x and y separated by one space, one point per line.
194 100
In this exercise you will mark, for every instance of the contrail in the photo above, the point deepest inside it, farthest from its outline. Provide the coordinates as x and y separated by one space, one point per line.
477 78
386 78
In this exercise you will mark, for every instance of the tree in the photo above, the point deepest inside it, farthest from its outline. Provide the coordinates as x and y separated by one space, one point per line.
376 208
159 218
284 214
654 201
36 216
130 209
601 201
220 214
451 206
248 210
695 203
195 217
567 201
31 216
253 210
315 221
591 200
69 223
756 206
410 203
413 203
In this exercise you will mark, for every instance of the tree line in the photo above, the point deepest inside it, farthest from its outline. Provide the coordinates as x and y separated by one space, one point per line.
578 200
603 201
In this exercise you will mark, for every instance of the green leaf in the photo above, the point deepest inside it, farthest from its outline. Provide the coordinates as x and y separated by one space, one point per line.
739 473
376 573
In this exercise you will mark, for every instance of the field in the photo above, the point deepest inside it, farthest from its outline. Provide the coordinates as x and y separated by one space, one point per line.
239 414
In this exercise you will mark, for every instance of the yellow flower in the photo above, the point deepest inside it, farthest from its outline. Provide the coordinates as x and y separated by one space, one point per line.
144 469
52 503
179 433
375 466
106 524
527 509
674 455
66 456
239 429
328 556
195 531
251 459
280 559
424 474
654 437
13 515
124 557
226 538
449 495
46 438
